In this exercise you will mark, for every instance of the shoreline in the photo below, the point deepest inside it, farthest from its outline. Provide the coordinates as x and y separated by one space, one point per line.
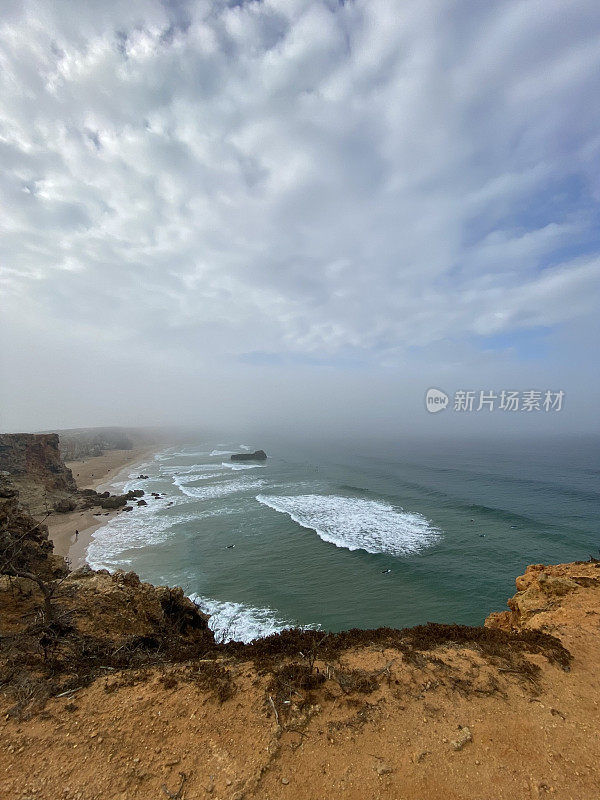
89 473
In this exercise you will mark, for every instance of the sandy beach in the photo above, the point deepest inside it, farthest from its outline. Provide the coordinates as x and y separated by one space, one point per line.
89 473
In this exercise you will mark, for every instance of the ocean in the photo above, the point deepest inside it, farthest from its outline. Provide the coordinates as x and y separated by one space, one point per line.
336 536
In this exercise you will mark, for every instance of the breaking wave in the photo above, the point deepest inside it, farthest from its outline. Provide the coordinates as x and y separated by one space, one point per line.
357 524
121 534
239 622
236 467
216 489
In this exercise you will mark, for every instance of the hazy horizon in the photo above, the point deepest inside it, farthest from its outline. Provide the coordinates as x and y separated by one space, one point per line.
297 217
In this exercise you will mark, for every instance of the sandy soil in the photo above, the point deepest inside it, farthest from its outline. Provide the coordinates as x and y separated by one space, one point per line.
453 724
89 474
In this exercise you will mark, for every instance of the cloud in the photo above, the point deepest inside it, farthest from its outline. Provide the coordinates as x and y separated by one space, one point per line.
320 182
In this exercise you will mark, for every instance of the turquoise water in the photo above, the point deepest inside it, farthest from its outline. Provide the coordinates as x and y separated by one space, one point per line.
343 536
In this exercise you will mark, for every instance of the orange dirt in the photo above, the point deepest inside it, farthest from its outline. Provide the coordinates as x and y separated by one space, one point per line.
439 713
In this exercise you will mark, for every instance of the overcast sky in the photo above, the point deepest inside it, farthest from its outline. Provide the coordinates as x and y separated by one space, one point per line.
298 214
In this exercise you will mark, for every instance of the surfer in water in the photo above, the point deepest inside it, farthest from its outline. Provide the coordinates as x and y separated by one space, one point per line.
385 571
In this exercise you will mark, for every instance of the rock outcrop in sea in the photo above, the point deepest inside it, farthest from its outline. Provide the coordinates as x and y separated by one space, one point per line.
257 455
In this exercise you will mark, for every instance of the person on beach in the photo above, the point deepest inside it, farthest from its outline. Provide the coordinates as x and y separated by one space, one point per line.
76 535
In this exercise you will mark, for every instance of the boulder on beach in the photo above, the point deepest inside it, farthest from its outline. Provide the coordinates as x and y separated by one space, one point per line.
64 505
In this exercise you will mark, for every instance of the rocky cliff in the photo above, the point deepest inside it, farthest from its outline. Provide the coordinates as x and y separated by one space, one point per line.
58 628
37 456
34 464
24 543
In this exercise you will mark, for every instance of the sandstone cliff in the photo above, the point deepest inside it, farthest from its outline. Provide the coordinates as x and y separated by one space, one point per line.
34 464
35 455
24 543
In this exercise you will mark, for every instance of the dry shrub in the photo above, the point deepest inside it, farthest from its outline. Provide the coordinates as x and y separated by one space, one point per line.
356 680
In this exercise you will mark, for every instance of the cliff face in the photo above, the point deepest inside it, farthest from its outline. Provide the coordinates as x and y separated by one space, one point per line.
551 596
24 543
58 628
36 456
33 463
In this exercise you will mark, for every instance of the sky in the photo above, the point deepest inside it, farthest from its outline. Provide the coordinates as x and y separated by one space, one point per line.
298 215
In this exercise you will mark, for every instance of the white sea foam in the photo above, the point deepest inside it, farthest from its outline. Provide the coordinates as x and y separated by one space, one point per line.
163 455
190 468
239 622
236 467
123 533
217 489
196 476
357 524
172 452
122 482
221 452
243 447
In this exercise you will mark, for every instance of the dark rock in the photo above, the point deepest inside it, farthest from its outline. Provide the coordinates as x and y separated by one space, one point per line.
114 501
258 455
64 505
142 503
6 487
134 493
84 571
128 508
